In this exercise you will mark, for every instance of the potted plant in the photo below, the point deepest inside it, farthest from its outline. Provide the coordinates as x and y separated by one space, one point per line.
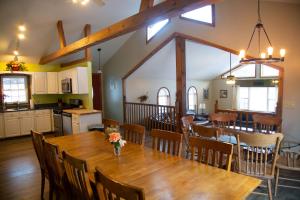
15 66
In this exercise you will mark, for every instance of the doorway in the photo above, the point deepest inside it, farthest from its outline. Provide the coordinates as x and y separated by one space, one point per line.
97 90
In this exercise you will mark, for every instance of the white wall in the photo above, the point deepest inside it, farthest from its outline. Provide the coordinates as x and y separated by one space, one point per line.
235 20
223 103
136 87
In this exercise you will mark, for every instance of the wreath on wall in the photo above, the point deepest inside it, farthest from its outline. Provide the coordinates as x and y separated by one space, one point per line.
15 66
143 98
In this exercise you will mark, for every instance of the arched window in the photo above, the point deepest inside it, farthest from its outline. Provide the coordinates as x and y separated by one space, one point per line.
163 97
192 98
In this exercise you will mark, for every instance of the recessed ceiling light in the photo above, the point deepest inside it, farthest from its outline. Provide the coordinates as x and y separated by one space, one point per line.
74 1
22 28
21 36
84 2
16 53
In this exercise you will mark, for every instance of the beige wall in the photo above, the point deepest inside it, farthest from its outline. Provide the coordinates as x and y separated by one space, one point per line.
234 22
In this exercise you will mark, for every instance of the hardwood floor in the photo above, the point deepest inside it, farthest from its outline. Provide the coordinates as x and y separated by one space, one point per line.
20 176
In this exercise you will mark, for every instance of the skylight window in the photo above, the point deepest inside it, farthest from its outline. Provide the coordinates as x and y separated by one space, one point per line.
153 29
204 14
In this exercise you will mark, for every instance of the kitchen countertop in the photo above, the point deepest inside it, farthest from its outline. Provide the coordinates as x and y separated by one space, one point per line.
22 110
82 111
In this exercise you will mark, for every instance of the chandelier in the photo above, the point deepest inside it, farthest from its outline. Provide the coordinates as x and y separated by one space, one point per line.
263 57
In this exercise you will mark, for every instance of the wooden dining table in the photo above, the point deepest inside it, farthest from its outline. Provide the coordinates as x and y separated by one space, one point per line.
161 175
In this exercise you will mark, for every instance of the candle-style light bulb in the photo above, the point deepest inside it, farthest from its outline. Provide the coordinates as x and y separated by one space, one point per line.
270 51
282 53
242 54
263 55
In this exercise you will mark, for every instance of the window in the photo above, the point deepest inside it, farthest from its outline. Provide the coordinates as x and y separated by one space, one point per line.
243 71
267 71
163 97
267 101
15 88
192 99
155 28
204 15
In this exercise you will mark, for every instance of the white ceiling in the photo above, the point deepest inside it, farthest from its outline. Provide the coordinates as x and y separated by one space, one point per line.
41 16
202 63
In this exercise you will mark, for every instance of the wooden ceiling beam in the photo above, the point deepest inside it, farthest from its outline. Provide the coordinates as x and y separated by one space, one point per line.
61 34
145 4
87 51
167 9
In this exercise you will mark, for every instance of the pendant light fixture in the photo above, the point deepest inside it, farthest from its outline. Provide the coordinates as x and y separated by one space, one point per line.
230 79
262 56
99 71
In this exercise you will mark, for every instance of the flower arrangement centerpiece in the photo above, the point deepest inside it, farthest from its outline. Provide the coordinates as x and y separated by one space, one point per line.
109 130
116 139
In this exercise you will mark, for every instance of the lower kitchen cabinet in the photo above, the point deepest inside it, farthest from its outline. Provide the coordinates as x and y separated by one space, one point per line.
43 123
2 135
22 122
12 124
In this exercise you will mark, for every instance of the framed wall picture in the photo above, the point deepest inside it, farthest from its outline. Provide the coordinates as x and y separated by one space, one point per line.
205 94
223 94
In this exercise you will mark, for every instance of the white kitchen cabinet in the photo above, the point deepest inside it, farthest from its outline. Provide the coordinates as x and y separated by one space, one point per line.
12 125
79 78
26 122
2 133
80 123
43 120
40 83
52 82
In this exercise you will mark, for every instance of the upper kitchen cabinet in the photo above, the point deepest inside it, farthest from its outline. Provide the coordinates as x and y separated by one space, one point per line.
52 82
40 83
79 80
78 77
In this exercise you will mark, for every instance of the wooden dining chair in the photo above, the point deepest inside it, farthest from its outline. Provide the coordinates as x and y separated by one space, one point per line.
257 156
167 141
211 152
55 169
76 171
288 160
110 123
223 120
37 140
186 122
109 189
206 132
266 123
134 133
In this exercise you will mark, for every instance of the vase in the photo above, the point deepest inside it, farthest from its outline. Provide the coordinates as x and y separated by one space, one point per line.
117 151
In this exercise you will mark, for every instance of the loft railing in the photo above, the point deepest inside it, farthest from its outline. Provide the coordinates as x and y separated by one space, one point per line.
244 117
150 115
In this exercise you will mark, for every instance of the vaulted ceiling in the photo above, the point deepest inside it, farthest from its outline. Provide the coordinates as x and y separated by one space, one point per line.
202 63
41 16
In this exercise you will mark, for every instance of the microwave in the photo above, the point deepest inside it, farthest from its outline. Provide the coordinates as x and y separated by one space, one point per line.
66 85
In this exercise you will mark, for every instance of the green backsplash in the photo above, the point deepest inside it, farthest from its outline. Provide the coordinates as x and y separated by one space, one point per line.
52 98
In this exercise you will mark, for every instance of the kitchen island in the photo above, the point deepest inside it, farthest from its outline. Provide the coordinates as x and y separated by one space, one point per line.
78 120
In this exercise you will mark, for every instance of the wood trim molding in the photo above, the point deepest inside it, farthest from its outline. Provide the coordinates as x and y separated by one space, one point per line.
166 9
145 4
87 51
61 34
180 80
